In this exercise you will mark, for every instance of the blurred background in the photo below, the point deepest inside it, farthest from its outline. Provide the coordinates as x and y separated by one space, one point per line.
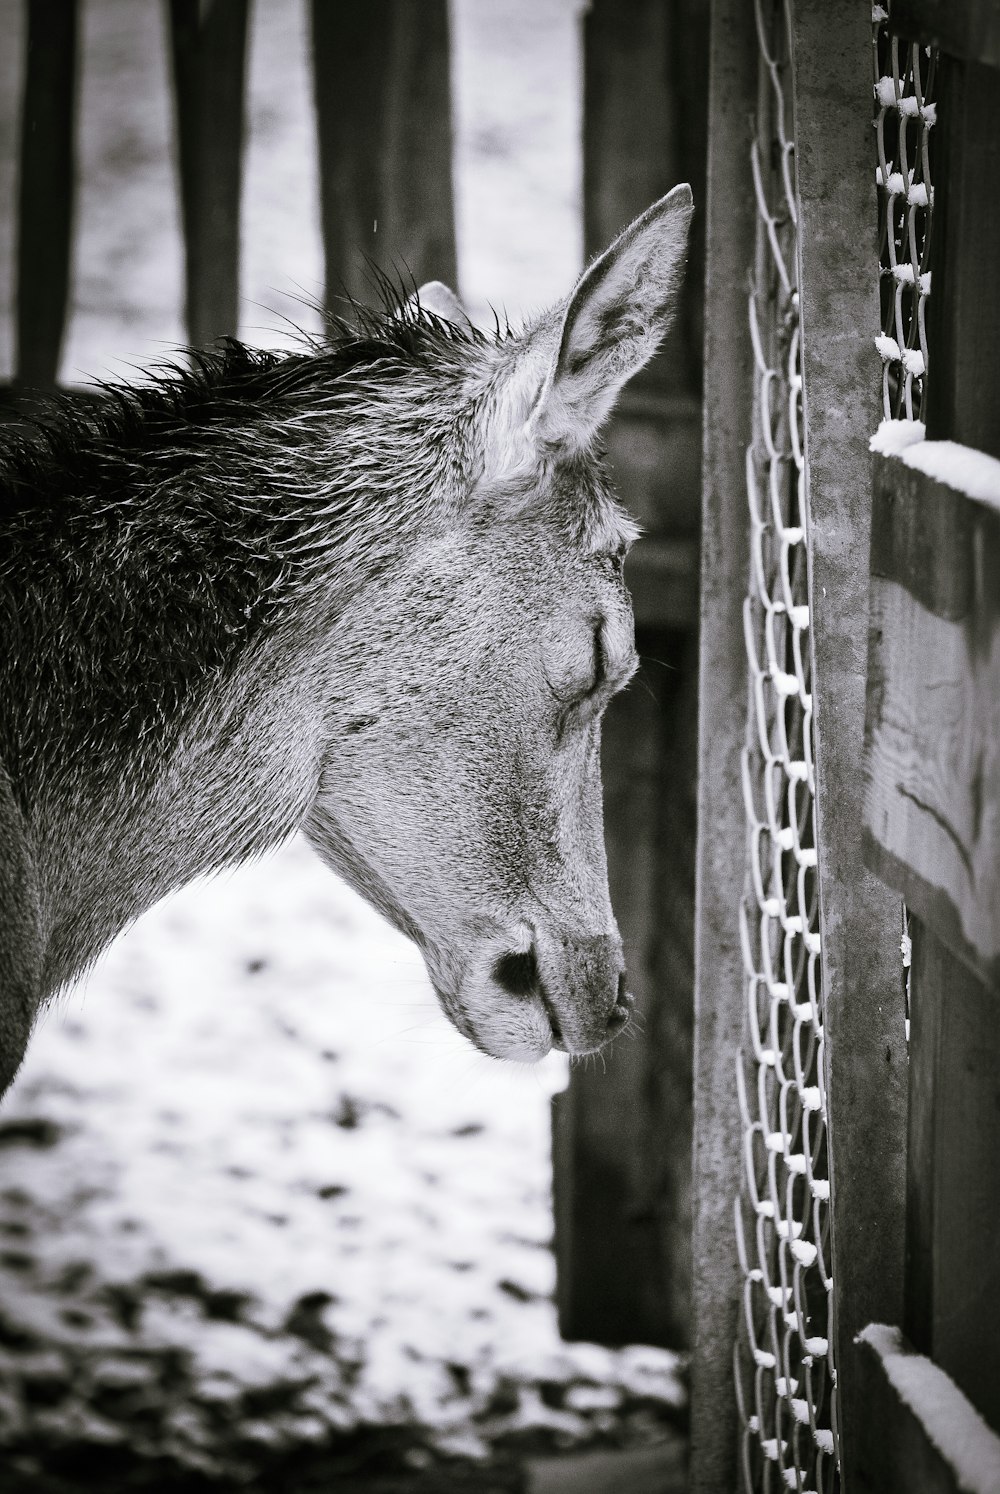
265 1219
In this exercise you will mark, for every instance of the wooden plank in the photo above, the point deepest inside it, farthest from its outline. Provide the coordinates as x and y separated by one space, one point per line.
963 326
921 1433
968 29
653 445
622 1140
953 1219
932 735
722 708
865 1047
45 199
662 576
383 109
208 44
643 131
622 1130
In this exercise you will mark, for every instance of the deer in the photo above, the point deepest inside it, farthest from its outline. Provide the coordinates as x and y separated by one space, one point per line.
371 589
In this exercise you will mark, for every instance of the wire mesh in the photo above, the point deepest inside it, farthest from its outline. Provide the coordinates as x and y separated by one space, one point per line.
905 112
903 79
786 1381
783 1356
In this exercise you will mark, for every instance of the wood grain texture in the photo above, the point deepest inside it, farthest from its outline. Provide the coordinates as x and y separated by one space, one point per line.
932 734
865 1047
719 1015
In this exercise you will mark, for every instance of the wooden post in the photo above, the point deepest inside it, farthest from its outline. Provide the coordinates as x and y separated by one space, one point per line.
722 714
45 203
622 1129
953 1219
865 1048
622 1137
964 314
209 60
643 132
383 109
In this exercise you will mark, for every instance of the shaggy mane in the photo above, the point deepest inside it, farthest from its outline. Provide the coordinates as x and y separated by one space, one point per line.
77 440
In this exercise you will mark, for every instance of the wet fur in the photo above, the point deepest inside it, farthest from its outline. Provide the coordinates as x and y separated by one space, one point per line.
268 592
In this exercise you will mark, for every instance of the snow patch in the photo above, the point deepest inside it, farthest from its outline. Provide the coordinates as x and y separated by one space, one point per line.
894 436
962 468
953 1425
959 467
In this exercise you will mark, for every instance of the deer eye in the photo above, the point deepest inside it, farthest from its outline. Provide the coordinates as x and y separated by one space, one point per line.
600 663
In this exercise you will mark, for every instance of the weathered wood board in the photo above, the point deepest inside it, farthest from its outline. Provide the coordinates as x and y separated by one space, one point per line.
952 1290
209 50
932 736
45 191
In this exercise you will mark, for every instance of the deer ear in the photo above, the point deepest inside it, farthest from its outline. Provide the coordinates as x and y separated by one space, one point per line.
439 300
614 321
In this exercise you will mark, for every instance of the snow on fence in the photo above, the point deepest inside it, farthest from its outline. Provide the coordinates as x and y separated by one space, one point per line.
848 724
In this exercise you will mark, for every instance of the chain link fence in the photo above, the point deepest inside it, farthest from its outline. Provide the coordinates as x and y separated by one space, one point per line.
903 79
785 1375
786 1381
905 112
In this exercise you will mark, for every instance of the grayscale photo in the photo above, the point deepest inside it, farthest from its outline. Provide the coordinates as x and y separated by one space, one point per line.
499 747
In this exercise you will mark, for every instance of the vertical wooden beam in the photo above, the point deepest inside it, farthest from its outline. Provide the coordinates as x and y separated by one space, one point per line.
953 1216
964 311
622 1129
865 1049
640 57
208 43
722 714
383 109
623 1137
45 202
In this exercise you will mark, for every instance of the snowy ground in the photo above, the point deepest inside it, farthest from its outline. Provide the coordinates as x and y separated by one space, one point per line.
255 1195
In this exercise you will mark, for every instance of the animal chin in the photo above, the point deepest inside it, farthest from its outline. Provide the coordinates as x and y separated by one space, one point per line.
528 1047
514 1028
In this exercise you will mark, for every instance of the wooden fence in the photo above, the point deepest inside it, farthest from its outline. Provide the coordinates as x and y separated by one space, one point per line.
380 74
847 1184
380 80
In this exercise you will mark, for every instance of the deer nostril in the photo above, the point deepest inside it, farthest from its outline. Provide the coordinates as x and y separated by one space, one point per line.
622 1009
517 973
